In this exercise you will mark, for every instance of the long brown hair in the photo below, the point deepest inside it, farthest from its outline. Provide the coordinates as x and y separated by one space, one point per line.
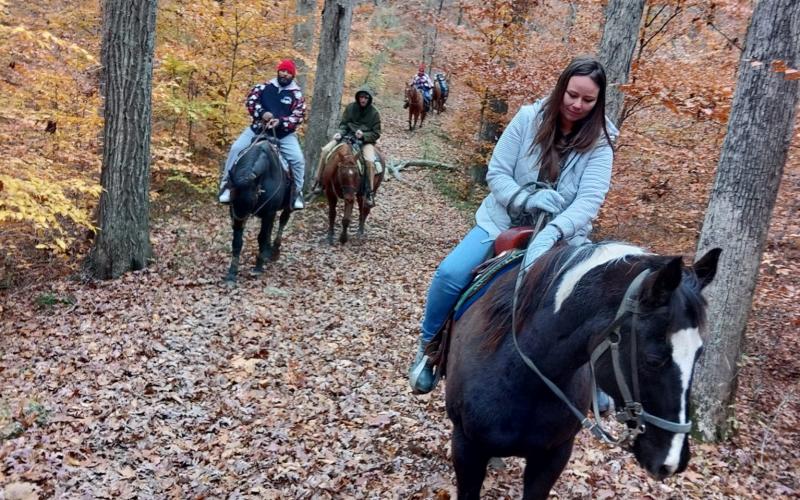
553 143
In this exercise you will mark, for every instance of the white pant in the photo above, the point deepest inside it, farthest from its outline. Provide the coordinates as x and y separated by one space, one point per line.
289 147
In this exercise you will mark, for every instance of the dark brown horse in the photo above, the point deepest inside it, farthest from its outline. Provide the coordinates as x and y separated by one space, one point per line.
341 178
259 187
416 107
439 95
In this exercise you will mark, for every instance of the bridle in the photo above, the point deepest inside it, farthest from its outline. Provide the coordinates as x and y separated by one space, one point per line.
632 414
355 148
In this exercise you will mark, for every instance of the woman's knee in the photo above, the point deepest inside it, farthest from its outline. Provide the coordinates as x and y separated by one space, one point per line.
452 273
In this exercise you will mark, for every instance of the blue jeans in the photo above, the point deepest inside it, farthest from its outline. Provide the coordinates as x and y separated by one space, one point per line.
452 275
290 150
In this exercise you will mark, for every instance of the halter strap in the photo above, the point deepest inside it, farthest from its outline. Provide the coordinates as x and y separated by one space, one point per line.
632 413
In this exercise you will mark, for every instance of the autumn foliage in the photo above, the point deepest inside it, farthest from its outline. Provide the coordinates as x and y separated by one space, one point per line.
163 384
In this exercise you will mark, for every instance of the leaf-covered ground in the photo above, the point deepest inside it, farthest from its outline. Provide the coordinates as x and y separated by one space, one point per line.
167 384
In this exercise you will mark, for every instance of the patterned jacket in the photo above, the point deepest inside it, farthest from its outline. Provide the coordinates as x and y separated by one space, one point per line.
285 103
423 81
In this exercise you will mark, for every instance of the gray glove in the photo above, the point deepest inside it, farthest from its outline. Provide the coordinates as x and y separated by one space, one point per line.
545 199
542 242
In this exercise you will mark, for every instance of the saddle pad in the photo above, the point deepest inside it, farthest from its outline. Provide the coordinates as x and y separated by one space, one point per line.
481 282
359 163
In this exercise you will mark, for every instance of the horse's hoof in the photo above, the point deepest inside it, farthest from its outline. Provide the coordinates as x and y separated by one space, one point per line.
342 239
257 271
230 281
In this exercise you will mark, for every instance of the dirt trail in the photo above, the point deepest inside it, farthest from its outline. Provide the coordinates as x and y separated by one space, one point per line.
167 383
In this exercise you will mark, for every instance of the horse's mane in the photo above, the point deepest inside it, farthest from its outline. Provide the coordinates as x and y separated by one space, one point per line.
265 174
535 286
538 286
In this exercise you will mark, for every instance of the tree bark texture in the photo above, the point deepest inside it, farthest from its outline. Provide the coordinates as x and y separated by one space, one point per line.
620 33
743 196
123 242
303 37
329 79
490 129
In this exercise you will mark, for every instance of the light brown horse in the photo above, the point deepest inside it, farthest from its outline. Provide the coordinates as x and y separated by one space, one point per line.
341 178
416 107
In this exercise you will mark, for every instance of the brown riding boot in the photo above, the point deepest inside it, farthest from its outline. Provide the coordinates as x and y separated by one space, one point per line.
369 197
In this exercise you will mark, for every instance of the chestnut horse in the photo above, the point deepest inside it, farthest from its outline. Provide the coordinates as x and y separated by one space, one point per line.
416 107
341 178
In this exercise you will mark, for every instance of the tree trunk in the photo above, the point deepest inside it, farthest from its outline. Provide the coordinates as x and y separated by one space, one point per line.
746 185
620 33
433 10
492 118
304 38
333 44
123 242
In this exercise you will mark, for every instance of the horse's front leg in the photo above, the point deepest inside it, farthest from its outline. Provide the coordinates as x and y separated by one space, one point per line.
363 212
276 245
236 250
346 218
264 250
331 217
543 468
469 461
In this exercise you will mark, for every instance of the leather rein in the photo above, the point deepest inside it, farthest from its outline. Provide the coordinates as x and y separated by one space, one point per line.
632 414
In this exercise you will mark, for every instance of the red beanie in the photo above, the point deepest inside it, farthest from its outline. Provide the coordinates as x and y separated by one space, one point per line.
288 65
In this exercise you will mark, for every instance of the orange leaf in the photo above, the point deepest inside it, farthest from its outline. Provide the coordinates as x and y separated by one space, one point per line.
779 66
789 74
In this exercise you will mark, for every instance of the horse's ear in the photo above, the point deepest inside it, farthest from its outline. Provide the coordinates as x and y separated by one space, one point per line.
706 267
659 286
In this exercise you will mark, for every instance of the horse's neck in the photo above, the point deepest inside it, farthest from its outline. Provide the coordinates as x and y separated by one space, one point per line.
560 339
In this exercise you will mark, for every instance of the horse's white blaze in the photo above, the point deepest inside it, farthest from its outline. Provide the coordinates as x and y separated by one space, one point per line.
685 344
603 254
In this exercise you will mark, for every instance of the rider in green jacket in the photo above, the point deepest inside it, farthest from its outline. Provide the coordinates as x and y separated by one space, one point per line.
363 121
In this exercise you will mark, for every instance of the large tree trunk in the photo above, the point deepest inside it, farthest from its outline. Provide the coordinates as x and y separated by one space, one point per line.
746 185
620 33
304 37
123 242
491 120
324 116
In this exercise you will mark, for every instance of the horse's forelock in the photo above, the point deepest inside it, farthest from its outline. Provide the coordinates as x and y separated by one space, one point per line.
688 300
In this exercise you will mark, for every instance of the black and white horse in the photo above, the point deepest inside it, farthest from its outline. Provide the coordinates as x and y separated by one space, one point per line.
636 316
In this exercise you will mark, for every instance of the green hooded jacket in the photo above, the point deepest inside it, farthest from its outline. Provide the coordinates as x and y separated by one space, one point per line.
366 119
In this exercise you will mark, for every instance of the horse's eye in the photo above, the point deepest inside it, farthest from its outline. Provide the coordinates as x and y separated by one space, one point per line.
655 360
